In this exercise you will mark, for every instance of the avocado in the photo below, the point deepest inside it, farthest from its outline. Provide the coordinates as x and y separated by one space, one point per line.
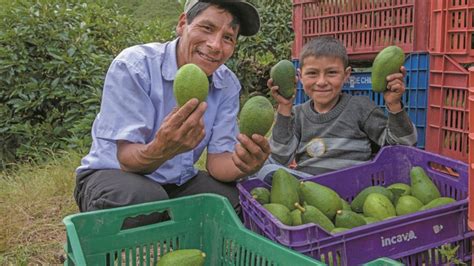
398 190
388 61
345 205
437 203
256 116
407 204
370 220
283 189
348 219
280 212
283 75
421 185
261 194
358 202
338 230
190 82
296 217
311 214
183 257
321 197
379 206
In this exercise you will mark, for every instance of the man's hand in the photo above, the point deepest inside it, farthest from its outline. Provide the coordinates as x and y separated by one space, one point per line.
395 89
251 153
181 131
284 105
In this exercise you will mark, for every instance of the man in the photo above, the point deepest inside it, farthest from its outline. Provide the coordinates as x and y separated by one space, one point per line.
144 147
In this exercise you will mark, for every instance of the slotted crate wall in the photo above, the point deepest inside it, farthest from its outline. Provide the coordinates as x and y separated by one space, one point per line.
364 26
447 125
471 144
452 29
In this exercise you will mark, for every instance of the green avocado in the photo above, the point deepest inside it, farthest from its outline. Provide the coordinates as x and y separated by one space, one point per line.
280 212
422 187
321 197
348 219
407 204
256 116
190 82
283 75
378 206
388 61
183 257
261 194
284 191
358 202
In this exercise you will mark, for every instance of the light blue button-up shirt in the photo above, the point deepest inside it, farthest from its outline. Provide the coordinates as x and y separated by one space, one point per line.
138 95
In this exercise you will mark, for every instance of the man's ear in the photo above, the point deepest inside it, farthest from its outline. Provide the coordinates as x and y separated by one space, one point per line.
181 24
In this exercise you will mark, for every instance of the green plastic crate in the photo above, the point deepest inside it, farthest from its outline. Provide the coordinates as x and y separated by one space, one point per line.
204 221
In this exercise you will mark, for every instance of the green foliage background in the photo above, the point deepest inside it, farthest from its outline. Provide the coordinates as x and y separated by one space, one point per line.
54 55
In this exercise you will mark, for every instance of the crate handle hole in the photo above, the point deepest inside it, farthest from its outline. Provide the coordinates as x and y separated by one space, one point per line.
145 219
444 169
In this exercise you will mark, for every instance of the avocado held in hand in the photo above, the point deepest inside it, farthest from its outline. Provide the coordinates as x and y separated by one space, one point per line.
387 62
256 116
190 82
283 75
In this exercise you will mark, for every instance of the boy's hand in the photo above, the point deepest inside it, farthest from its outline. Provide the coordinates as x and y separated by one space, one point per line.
251 153
395 89
284 105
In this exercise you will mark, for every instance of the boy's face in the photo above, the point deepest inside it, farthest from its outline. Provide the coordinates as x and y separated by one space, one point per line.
322 78
208 41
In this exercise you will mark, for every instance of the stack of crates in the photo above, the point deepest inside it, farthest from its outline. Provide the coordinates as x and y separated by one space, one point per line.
438 39
471 153
366 27
451 52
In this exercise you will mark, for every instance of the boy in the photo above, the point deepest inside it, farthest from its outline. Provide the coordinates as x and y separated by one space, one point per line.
334 130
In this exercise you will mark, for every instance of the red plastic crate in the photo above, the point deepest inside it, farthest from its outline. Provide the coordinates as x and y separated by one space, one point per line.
364 26
471 144
447 125
452 29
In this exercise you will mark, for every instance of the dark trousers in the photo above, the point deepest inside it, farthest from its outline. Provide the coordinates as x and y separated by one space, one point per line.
104 189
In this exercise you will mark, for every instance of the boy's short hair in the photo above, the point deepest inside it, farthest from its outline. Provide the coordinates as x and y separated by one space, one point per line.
324 46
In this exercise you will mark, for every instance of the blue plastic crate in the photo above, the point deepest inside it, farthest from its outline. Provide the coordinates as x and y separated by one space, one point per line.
415 98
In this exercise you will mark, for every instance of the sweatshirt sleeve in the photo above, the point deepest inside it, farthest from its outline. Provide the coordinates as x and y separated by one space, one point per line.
283 141
397 129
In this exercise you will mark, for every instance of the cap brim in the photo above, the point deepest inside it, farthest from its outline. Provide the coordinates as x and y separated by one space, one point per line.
249 18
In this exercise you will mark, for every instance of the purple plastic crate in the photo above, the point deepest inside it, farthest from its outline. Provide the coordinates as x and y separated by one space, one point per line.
411 239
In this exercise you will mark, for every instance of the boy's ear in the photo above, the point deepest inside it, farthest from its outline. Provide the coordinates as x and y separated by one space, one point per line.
298 73
347 73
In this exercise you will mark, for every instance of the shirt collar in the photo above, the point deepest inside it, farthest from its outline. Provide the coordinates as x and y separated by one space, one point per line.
170 66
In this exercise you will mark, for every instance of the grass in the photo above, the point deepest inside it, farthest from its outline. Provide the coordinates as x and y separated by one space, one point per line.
33 201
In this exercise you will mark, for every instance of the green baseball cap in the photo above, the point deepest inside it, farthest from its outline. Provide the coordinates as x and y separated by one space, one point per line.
246 12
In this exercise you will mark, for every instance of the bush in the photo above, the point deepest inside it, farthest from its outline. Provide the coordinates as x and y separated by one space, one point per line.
53 60
255 55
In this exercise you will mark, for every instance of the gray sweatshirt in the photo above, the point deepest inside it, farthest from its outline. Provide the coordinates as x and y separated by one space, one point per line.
340 138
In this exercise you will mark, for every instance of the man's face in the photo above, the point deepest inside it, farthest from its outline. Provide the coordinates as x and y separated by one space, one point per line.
322 79
209 41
